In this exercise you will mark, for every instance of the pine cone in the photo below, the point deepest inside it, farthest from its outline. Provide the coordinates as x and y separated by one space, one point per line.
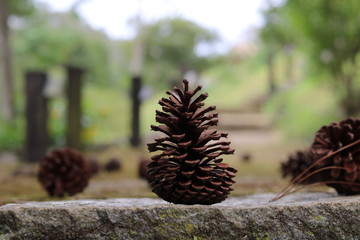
331 138
113 165
189 170
64 171
297 163
94 166
246 157
143 170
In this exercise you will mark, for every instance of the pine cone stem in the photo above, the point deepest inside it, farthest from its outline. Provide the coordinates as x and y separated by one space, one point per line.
319 183
301 176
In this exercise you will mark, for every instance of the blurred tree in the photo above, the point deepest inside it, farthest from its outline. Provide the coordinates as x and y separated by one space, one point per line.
7 9
329 32
172 48
277 38
48 39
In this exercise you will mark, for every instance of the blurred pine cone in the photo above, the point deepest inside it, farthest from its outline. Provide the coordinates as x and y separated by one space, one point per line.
94 166
331 138
297 163
189 170
64 171
246 157
143 170
113 165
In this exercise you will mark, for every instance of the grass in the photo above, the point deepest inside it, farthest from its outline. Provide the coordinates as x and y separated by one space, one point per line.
303 109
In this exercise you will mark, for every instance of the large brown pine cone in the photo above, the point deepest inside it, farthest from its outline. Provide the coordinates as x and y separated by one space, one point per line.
331 138
188 170
64 171
297 163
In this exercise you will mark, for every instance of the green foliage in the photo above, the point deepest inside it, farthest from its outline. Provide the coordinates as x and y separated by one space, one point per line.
276 32
171 49
302 110
11 135
46 40
21 7
328 32
328 29
108 117
57 122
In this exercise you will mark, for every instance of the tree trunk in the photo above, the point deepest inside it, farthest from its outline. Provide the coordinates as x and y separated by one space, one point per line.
271 72
289 79
350 99
7 100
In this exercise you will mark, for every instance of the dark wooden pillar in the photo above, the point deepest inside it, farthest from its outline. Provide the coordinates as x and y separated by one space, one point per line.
36 111
135 139
74 112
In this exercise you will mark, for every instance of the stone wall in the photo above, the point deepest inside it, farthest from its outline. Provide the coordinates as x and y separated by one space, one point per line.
299 216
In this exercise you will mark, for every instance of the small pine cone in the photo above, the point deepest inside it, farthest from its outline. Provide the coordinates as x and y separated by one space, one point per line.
64 171
246 157
189 170
143 170
331 138
94 166
297 163
113 165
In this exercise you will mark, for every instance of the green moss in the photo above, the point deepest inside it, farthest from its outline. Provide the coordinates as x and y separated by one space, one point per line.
198 238
261 236
2 235
189 227
319 218
132 232
184 228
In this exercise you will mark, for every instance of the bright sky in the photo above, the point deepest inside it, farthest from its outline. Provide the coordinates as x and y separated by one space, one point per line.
232 19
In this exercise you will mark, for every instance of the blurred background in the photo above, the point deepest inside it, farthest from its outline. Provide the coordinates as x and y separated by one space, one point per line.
88 74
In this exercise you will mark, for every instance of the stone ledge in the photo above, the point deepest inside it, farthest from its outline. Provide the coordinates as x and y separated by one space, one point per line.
298 216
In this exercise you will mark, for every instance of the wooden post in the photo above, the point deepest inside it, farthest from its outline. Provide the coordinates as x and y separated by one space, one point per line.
136 67
73 117
36 111
135 113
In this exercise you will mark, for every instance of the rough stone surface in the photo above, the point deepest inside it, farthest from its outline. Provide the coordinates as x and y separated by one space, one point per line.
298 216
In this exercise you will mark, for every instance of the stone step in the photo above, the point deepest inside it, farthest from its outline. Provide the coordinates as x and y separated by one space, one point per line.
249 137
237 121
299 216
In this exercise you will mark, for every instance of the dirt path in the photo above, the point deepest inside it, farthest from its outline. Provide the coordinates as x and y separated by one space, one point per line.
249 128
